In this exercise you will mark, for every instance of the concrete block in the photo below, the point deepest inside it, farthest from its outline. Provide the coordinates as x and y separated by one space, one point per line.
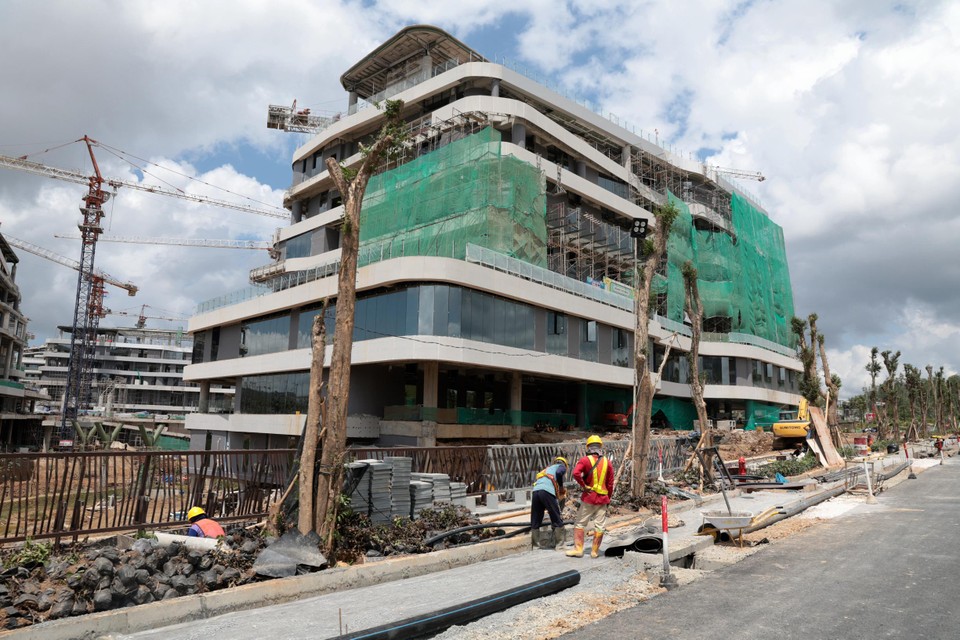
493 501
470 502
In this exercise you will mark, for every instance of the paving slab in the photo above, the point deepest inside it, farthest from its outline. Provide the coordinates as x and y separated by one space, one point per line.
358 609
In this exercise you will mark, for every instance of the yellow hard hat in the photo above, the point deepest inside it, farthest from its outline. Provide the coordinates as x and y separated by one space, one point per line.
194 512
594 440
563 460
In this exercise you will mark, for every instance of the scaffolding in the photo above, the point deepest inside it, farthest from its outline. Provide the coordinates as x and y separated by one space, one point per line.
583 246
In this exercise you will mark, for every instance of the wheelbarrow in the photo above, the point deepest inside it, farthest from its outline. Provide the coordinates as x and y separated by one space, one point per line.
729 521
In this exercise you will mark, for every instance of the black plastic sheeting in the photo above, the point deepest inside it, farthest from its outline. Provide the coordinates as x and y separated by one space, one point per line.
436 622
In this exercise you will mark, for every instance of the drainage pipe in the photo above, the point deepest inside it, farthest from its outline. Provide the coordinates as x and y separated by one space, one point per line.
804 503
435 622
484 525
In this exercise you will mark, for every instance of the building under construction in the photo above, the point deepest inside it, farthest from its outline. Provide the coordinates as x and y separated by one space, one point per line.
18 424
136 373
496 268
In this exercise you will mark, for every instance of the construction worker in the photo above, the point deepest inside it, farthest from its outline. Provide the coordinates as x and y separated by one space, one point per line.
548 493
595 474
201 526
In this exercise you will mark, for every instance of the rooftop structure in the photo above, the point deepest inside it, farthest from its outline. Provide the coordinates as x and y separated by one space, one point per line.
496 264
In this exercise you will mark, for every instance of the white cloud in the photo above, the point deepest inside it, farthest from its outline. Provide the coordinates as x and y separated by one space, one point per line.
847 108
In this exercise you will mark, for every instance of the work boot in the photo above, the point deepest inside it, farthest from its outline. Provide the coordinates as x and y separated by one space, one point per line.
597 539
577 551
559 537
535 538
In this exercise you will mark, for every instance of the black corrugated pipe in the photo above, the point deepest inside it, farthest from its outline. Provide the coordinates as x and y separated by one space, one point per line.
484 525
437 621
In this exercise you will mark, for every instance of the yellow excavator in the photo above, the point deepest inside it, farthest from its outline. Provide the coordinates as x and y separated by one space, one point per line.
792 428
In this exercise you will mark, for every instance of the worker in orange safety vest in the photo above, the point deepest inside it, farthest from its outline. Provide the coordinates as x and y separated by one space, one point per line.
201 526
594 474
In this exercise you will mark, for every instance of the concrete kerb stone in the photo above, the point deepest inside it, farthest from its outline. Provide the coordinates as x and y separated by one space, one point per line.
260 594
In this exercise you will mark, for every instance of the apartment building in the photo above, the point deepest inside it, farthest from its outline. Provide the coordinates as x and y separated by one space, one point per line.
18 426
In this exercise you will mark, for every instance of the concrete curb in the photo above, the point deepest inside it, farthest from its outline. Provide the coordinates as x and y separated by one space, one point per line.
261 594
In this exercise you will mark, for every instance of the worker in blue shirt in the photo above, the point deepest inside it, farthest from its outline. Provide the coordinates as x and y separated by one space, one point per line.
548 493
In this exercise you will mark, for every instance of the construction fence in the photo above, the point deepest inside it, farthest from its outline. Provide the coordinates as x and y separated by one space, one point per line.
65 495
504 468
69 495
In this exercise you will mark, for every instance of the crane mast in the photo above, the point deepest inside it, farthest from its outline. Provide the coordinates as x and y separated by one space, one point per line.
88 306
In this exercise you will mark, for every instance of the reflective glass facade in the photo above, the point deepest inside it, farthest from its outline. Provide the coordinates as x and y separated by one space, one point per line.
269 335
281 393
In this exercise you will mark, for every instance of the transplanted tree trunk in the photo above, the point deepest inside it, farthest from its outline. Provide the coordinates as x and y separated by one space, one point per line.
873 368
694 310
653 250
891 403
809 382
312 434
913 381
833 384
352 185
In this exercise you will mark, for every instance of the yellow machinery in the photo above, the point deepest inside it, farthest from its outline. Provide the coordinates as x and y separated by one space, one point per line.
791 426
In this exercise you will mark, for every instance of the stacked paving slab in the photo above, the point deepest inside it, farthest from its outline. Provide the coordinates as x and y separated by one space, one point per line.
388 489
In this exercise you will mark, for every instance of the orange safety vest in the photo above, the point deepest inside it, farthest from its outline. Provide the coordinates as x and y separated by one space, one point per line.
599 473
210 528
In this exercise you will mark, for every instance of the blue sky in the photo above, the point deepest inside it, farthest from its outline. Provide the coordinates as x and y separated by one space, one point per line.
847 108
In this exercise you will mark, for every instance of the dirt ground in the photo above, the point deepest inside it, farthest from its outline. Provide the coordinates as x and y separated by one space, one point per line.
748 444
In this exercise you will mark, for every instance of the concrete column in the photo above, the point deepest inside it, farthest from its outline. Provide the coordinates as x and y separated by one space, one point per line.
495 87
519 134
431 376
428 428
581 168
626 156
204 403
516 397
352 99
47 435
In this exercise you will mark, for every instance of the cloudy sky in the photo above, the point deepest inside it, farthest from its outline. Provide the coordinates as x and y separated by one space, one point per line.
848 108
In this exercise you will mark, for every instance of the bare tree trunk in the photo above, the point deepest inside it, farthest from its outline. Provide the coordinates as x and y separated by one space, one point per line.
643 403
833 418
629 452
311 433
695 311
933 391
334 441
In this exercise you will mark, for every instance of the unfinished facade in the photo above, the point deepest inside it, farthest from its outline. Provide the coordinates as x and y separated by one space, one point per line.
496 264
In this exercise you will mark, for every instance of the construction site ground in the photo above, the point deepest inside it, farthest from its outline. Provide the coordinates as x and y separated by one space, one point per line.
395 589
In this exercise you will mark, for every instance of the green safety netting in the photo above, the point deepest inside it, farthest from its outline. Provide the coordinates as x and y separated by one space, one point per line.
678 412
761 415
743 277
464 192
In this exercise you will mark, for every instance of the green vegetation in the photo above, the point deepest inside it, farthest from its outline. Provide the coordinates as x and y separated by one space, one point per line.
789 467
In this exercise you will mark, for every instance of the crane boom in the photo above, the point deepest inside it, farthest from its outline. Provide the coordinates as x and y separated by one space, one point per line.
740 173
183 242
68 175
129 287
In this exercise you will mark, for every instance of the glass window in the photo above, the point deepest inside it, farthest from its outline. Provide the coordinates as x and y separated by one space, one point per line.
622 345
199 340
275 394
588 340
215 344
298 247
441 315
453 306
269 335
557 333
427 294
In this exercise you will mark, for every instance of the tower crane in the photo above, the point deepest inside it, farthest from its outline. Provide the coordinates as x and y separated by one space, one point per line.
103 277
88 306
262 245
740 173
142 317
